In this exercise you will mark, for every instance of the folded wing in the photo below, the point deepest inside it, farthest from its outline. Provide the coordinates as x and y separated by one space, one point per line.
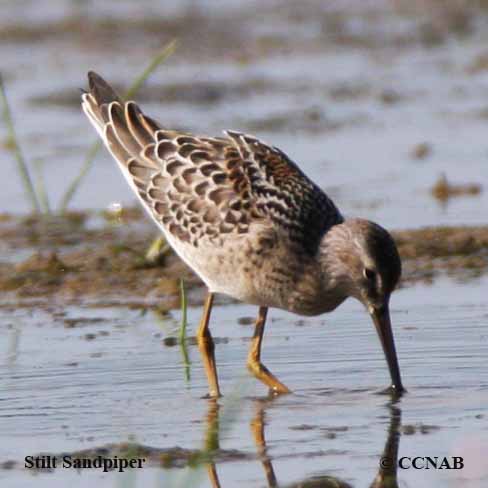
203 189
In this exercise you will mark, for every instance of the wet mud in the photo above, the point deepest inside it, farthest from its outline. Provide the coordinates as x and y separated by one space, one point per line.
69 261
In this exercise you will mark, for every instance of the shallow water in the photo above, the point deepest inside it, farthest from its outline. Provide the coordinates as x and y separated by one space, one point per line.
114 380
75 378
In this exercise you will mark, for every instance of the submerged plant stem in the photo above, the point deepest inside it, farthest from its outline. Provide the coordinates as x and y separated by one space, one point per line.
184 321
19 157
183 310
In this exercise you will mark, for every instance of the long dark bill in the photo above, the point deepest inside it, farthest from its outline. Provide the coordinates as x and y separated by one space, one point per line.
382 322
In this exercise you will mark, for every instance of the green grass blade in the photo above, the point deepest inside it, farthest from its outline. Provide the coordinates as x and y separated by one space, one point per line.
160 58
184 322
73 187
94 148
19 157
186 361
41 187
183 311
157 251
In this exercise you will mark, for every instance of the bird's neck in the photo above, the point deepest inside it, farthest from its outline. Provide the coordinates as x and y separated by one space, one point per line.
335 262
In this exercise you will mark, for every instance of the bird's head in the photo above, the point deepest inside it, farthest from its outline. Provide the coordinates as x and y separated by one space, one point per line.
360 259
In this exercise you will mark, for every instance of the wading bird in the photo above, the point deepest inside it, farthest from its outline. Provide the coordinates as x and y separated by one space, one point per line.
250 224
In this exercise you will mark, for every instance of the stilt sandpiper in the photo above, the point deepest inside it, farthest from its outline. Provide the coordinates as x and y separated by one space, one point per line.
249 222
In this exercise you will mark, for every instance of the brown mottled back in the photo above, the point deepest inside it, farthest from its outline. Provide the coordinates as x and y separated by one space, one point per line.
204 188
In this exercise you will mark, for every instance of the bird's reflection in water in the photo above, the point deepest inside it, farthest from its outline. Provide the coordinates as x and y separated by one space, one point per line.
211 444
257 428
388 461
387 474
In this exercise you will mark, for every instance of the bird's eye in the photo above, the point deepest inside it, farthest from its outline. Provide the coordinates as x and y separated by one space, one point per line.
369 274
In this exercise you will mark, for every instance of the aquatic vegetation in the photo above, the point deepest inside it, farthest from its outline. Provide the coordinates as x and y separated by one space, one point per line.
95 147
183 338
13 143
34 186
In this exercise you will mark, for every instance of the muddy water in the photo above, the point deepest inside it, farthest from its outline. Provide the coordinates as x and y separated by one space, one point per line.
350 106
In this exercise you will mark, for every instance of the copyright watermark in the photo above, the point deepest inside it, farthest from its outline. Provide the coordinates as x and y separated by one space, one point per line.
423 462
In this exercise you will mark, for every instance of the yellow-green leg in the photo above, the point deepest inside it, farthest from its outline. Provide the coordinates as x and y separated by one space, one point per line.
207 347
254 357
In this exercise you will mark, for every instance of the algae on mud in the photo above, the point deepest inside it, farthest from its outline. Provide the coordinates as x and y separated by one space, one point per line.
444 189
71 260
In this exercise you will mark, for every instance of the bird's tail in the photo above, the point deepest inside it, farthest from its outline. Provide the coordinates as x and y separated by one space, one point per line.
129 135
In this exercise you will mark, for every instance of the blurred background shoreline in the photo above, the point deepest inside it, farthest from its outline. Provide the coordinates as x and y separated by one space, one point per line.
375 100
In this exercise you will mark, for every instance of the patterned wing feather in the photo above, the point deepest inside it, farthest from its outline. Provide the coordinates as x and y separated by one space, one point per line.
284 193
203 189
